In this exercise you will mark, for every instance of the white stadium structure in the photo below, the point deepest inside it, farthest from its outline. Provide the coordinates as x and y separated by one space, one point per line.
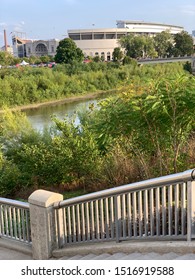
102 42
93 42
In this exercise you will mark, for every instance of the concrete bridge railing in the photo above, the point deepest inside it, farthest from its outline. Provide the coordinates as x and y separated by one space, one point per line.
157 209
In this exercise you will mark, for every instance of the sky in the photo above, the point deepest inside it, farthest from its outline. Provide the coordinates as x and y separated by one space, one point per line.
48 19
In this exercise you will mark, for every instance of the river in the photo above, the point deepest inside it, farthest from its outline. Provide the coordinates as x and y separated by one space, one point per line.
41 117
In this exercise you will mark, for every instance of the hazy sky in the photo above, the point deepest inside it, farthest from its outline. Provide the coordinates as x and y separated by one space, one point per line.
46 19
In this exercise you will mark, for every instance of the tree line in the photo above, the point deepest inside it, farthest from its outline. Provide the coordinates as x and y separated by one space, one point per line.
163 44
145 131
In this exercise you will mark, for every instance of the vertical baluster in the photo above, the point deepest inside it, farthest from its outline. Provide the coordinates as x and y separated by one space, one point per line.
97 220
74 233
14 222
87 221
146 211
83 222
92 220
170 209
129 214
183 209
112 217
107 224
10 221
65 225
152 212
6 221
164 211
19 224
78 223
157 212
69 225
1 221
117 207
176 209
27 225
57 226
102 218
23 225
124 216
134 214
140 213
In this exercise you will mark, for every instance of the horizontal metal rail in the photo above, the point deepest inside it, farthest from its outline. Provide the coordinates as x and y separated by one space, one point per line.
15 220
185 176
15 203
155 208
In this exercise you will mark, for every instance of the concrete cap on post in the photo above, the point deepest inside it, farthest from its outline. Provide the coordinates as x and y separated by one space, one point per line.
44 198
42 220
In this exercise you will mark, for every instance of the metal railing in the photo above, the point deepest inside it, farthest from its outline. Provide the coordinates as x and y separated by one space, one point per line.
155 208
15 220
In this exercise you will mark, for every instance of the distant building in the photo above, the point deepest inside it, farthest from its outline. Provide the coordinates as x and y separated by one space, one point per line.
42 47
101 42
9 49
19 46
93 42
28 47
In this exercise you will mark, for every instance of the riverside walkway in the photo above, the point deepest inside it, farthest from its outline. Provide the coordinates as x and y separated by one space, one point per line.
127 250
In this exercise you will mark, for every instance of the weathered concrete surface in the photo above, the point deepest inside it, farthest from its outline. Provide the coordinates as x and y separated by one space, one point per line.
154 250
12 250
43 223
128 247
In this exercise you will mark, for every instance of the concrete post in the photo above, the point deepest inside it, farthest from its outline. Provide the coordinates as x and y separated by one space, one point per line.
191 211
42 221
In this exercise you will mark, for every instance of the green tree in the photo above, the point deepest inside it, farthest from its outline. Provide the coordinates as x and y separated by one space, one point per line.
117 54
156 120
163 42
149 47
67 52
183 44
6 58
138 46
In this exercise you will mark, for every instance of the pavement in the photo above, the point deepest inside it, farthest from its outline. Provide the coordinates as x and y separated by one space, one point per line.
13 250
126 250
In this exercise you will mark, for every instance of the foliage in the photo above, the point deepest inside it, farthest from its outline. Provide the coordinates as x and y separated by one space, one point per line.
28 85
117 54
9 175
157 120
5 58
67 52
183 44
163 43
138 46
145 131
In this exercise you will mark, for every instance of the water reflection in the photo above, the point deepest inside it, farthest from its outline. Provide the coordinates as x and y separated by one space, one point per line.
41 117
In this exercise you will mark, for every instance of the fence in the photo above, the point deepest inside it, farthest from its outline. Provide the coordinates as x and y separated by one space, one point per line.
157 208
160 208
15 220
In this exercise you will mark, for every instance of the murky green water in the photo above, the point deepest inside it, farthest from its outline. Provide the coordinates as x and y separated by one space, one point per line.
41 117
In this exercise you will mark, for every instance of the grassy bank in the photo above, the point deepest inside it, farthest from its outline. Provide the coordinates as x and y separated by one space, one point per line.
34 86
145 131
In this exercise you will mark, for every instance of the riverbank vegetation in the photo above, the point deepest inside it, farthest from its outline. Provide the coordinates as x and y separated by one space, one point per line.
27 85
145 131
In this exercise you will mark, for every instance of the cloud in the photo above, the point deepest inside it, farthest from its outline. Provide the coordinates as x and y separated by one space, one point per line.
3 24
18 26
188 10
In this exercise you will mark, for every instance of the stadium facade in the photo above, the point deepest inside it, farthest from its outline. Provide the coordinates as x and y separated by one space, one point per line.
94 42
101 42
